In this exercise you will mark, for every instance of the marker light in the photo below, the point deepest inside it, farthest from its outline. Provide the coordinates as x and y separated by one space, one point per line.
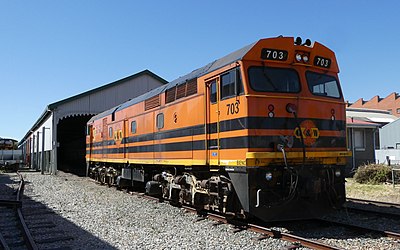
337 172
305 58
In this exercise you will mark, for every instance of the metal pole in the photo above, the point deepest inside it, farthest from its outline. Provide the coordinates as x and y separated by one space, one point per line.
353 149
37 150
33 153
23 158
393 176
54 146
43 158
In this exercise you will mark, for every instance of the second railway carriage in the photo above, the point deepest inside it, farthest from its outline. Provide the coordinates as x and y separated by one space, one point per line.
259 132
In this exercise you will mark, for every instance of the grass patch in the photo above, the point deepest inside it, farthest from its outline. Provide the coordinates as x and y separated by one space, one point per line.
380 192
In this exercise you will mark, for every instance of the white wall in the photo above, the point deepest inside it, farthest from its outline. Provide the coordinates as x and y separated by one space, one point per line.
393 154
48 124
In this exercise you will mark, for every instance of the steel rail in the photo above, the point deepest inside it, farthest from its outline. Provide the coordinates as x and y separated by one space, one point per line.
292 238
16 204
391 215
393 235
267 232
31 244
3 243
379 203
373 207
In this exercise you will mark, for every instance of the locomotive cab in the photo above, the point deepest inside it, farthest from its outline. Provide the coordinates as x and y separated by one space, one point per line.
296 137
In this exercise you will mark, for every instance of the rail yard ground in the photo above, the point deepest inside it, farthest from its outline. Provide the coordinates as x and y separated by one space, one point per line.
97 217
381 192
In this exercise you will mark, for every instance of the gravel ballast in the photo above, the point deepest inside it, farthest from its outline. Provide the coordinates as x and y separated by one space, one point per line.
98 217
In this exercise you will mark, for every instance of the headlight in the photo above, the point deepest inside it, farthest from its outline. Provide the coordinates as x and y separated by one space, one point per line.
268 176
337 172
298 57
305 58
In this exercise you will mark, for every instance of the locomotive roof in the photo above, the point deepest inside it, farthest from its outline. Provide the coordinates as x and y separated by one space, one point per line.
219 63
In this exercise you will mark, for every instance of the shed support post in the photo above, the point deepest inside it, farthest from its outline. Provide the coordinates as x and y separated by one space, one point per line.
33 153
43 156
37 151
54 145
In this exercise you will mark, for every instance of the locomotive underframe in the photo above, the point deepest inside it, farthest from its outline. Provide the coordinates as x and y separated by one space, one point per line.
271 193
276 193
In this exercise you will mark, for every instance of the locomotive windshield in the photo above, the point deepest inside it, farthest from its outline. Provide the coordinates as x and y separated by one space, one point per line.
322 85
266 79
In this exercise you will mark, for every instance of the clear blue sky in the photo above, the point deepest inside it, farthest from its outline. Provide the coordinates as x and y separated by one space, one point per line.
51 50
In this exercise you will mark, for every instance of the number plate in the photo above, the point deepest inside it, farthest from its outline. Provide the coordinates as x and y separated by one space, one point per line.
274 54
322 62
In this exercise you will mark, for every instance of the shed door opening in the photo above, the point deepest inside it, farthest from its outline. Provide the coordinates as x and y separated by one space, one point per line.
71 137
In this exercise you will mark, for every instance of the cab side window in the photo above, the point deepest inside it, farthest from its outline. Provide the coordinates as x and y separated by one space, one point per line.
133 127
110 132
213 91
231 84
160 121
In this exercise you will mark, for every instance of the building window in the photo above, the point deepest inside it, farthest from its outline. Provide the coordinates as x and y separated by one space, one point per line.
390 111
160 121
398 111
359 139
133 127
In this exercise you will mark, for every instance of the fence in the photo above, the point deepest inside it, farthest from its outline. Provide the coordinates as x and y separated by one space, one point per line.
395 175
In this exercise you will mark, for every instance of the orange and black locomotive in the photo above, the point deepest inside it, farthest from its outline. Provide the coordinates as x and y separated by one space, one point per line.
259 133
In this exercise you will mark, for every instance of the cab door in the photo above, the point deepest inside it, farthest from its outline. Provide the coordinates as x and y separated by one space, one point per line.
213 117
89 141
125 133
104 138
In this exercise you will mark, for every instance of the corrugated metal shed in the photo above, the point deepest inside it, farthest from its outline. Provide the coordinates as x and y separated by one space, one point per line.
390 135
67 118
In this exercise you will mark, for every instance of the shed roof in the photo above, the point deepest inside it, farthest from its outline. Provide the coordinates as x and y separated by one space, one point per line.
106 86
370 115
352 122
47 112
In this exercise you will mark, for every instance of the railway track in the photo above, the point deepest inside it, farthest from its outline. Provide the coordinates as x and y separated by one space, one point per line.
385 209
14 231
375 203
363 229
296 241
24 223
